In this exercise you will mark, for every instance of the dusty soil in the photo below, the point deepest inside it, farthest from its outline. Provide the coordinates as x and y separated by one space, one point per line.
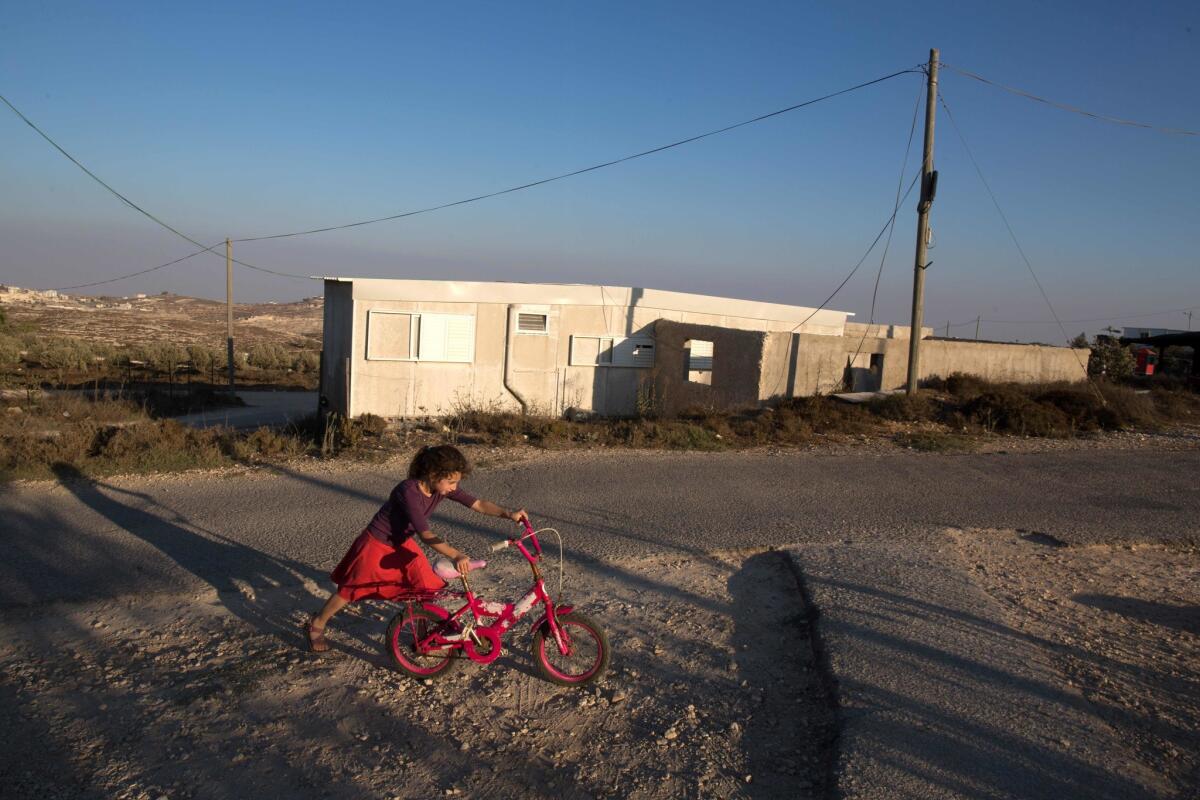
711 692
1122 624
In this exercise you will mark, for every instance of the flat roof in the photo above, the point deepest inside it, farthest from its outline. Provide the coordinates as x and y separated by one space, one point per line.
580 294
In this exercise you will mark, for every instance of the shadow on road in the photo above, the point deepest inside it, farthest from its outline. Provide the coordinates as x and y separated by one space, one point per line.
237 572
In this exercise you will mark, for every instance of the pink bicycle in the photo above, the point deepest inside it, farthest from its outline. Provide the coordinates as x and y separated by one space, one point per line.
426 641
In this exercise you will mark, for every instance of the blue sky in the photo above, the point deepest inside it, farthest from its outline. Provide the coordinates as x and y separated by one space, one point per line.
250 119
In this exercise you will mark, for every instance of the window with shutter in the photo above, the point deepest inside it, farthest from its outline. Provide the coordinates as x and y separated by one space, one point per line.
612 351
401 336
447 337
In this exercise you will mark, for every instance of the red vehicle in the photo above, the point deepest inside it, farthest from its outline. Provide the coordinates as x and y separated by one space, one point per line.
1146 359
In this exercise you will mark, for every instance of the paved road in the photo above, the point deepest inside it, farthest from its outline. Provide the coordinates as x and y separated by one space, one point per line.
262 408
116 537
933 706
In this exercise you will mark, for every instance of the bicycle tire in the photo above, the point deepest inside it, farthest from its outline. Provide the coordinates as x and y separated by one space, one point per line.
405 629
586 662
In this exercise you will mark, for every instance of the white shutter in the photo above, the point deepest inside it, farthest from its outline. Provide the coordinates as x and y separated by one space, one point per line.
460 338
447 337
634 351
700 355
612 351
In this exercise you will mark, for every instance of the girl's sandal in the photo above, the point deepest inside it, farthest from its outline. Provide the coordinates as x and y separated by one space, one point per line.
316 638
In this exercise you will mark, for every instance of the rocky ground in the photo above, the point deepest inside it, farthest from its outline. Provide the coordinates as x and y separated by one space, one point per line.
711 692
1122 624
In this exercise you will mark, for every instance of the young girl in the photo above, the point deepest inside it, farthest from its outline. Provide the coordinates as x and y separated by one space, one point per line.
385 560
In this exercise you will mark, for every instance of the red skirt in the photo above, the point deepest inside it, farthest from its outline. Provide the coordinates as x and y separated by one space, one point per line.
373 569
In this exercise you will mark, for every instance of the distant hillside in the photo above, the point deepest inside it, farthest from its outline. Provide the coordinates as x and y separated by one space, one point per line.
142 319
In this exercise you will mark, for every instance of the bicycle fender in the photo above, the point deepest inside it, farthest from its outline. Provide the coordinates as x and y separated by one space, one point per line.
543 622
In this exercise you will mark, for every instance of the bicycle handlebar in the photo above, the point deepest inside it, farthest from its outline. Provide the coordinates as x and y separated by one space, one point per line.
509 542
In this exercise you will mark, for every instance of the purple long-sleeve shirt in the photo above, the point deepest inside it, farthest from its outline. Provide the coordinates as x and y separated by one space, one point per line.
406 512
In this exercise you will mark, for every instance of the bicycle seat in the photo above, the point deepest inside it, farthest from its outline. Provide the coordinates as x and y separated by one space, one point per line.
446 571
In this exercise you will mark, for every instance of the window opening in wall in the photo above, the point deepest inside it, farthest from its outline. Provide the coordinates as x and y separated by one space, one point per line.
700 354
404 336
699 361
533 323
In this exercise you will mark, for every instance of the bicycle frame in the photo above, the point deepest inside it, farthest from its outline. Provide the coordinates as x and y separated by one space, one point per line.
482 642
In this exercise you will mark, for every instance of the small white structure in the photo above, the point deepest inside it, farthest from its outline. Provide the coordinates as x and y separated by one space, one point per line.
416 347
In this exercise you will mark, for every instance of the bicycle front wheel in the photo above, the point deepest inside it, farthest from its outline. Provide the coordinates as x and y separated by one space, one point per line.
405 631
587 651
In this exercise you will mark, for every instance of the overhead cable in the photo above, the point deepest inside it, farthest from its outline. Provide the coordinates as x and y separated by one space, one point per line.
1013 235
137 208
1072 109
892 227
1113 318
573 173
139 272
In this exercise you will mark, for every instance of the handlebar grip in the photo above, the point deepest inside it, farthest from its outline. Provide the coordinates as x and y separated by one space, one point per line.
500 545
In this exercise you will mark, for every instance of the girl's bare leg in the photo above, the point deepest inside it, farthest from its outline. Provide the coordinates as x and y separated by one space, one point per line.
316 626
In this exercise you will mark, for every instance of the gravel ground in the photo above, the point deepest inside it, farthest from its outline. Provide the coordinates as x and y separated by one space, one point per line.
179 697
149 639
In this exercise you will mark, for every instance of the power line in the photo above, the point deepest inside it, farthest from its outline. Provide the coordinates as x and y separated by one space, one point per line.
1072 109
139 272
892 227
136 208
1113 318
573 173
1011 234
861 261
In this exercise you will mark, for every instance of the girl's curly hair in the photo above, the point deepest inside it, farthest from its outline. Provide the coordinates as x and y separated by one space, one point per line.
431 464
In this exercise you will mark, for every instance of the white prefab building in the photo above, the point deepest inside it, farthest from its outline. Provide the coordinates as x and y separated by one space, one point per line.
401 348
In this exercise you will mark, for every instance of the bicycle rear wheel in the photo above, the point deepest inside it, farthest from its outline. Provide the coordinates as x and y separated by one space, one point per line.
587 651
407 629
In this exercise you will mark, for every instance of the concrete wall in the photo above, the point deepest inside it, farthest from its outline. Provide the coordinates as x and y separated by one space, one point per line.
1019 363
733 381
797 364
540 368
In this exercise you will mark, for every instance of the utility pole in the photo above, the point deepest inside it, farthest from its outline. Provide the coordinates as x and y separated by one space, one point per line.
1189 316
947 329
977 321
928 190
229 309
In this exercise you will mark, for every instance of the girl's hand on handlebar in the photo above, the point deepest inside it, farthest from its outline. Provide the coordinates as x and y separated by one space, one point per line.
462 563
518 515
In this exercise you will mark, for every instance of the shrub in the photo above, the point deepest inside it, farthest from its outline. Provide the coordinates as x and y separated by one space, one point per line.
903 407
1005 409
203 358
936 442
1110 359
10 352
163 356
371 424
268 443
61 353
266 355
306 361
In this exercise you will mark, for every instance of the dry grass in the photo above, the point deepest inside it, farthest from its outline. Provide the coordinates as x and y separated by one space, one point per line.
42 435
39 434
